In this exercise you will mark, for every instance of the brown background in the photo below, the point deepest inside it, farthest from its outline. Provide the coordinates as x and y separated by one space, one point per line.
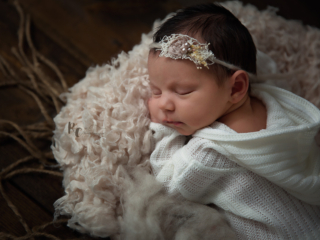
77 34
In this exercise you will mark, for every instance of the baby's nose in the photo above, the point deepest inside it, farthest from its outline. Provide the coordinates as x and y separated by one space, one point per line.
166 104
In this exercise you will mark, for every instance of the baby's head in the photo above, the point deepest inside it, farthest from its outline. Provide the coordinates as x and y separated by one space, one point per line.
187 98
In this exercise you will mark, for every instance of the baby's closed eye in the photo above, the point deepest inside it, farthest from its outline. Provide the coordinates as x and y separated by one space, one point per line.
184 91
155 91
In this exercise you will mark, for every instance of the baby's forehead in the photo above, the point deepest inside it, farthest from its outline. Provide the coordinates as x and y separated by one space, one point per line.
166 71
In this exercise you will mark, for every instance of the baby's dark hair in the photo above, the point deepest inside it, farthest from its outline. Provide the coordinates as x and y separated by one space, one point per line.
229 40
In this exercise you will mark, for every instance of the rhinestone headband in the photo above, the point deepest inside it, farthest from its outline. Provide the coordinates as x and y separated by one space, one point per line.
179 46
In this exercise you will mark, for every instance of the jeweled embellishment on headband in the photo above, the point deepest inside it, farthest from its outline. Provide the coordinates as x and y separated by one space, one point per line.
179 46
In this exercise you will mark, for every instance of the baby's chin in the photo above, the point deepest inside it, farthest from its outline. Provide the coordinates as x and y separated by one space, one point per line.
185 132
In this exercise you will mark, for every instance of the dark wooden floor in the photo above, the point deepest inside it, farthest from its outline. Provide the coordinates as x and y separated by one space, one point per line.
77 34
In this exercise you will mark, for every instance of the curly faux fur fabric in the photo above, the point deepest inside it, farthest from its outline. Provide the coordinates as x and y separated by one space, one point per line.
103 142
103 125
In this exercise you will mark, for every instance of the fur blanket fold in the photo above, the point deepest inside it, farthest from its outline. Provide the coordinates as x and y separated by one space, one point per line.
103 142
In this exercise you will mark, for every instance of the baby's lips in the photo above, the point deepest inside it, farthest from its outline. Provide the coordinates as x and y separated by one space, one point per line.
176 123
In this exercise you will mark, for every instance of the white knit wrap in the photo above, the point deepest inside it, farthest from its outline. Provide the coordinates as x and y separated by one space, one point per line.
249 175
287 156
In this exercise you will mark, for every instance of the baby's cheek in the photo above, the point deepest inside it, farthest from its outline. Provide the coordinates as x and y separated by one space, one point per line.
151 105
153 109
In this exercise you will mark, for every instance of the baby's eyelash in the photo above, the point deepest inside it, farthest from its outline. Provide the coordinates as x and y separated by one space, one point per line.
185 92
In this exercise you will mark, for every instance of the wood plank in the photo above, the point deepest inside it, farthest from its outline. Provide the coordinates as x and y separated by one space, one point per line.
9 24
32 213
33 195
72 29
72 68
45 189
16 105
42 188
98 30
94 30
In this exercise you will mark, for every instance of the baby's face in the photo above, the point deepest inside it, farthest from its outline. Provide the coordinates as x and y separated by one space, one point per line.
184 97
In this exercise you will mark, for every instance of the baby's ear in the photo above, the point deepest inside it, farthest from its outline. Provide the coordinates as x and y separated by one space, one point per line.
240 85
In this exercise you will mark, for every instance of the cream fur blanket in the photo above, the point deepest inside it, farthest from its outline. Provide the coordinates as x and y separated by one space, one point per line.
103 142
